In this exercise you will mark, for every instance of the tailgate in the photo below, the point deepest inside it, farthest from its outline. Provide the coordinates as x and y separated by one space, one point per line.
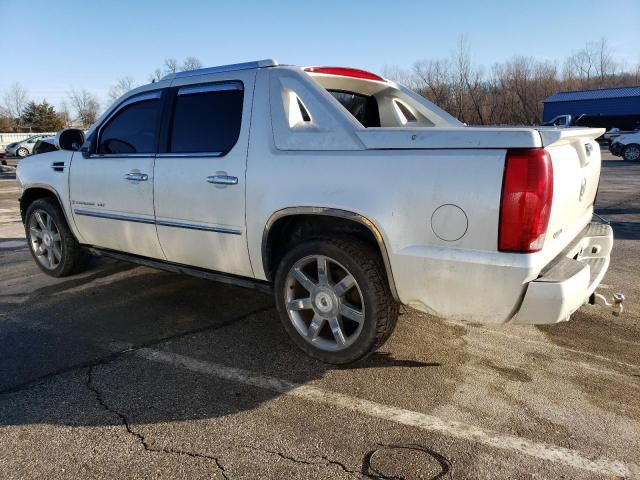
576 174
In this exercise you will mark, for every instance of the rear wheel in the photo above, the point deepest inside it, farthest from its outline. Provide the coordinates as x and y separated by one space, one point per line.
334 300
52 245
22 152
631 152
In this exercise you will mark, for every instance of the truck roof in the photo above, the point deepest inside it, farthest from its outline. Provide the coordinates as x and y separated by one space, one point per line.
269 62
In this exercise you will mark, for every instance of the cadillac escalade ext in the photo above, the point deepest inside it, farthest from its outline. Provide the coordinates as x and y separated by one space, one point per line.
343 193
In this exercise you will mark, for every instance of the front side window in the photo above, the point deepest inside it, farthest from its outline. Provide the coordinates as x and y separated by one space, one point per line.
206 119
134 129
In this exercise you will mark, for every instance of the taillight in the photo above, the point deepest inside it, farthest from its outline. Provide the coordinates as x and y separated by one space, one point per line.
345 72
525 206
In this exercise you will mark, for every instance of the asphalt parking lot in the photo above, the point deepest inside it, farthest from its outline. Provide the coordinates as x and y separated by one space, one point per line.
127 372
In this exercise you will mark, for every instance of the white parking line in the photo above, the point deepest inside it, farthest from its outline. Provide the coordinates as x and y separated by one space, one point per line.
419 420
12 244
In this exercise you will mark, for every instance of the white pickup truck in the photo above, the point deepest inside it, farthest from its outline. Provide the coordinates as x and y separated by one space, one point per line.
343 193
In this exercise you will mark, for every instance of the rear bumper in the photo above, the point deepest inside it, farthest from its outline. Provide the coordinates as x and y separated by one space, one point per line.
569 280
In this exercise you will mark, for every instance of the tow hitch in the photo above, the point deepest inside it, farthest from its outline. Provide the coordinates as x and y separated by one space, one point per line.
616 302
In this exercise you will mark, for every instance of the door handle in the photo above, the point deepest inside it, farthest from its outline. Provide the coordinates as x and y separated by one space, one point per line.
222 180
137 176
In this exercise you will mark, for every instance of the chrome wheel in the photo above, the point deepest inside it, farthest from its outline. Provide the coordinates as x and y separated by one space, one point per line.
22 152
632 153
45 239
324 303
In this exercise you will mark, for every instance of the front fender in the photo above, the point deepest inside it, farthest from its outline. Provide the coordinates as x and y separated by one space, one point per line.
36 172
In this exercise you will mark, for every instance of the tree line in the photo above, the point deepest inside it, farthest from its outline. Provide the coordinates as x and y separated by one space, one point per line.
512 92
508 93
80 108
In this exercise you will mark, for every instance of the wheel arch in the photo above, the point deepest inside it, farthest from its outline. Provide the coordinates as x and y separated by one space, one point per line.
282 219
35 192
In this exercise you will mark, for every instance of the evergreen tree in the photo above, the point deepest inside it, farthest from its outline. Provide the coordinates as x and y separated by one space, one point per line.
41 117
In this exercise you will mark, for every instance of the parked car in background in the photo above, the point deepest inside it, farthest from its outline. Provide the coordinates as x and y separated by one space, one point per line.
559 121
627 146
24 147
44 145
344 194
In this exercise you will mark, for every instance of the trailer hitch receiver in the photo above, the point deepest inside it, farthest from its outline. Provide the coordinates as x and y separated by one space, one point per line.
616 302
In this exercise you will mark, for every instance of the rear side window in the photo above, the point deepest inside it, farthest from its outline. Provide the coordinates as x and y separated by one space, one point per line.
134 129
363 107
206 118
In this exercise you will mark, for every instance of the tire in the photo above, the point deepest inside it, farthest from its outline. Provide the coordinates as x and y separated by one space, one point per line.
22 152
51 242
614 149
334 318
631 152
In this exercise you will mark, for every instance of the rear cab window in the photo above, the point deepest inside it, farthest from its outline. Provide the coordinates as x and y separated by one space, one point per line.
206 118
374 101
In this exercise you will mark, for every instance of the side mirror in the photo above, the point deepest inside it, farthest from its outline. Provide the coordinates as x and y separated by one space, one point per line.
70 139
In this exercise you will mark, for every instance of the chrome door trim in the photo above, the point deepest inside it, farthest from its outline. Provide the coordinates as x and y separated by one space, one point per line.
150 221
216 87
190 154
112 216
204 228
121 155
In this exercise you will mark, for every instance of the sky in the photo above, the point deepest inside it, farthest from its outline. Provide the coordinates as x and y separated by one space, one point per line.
53 46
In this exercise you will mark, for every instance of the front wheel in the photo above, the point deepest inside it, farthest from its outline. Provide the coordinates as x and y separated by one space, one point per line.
52 244
631 152
334 300
22 152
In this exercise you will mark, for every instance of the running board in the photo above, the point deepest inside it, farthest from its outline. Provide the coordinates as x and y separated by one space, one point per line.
237 281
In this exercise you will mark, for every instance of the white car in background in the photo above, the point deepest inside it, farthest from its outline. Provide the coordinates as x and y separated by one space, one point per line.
24 147
627 146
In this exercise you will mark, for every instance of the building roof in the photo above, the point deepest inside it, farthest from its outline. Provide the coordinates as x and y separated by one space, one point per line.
619 92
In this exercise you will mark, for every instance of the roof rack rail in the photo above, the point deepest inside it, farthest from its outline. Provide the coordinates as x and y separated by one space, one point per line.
223 68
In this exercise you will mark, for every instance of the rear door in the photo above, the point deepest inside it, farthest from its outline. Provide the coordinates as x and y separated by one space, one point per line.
200 175
111 188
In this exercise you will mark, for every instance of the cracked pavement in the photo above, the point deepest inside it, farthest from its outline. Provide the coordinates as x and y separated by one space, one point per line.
78 400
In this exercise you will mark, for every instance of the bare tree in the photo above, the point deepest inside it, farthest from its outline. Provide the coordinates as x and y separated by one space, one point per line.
121 87
171 65
582 65
86 106
63 113
191 63
434 81
399 75
15 101
156 76
606 64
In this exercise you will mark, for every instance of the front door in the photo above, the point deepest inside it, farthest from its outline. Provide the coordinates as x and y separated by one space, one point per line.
200 176
111 188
